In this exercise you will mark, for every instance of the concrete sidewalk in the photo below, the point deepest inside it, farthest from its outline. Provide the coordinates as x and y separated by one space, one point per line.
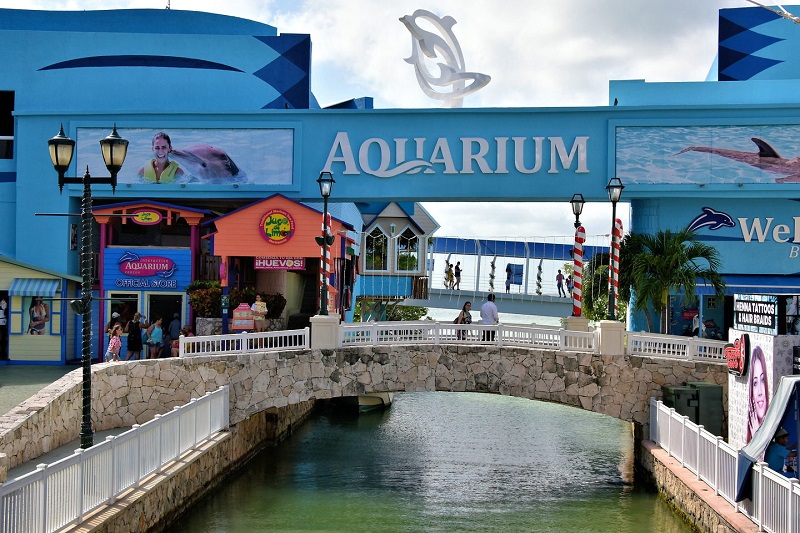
20 382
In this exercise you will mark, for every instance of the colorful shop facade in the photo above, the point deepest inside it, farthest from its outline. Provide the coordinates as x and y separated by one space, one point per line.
247 141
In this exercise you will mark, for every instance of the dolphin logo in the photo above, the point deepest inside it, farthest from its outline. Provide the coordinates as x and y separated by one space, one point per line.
445 51
128 256
167 273
204 161
711 219
767 159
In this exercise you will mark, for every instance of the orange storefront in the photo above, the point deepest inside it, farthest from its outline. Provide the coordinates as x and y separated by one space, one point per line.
271 245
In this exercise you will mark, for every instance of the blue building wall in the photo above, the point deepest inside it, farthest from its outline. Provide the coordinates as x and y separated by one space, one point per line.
220 74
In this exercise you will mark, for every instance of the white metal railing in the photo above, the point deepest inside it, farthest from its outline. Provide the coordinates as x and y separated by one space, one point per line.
775 505
657 345
297 339
432 332
63 493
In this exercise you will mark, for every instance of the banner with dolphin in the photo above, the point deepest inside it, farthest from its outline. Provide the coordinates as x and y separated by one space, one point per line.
706 155
197 156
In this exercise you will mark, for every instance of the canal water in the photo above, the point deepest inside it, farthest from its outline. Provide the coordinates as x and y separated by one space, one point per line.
440 463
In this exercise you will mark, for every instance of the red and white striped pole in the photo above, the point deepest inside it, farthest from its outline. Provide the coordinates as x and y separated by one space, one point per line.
325 262
577 271
613 271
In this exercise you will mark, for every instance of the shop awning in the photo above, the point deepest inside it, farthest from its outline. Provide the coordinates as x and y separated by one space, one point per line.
755 284
34 287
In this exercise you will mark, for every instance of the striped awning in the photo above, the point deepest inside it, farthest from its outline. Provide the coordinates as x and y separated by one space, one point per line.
34 287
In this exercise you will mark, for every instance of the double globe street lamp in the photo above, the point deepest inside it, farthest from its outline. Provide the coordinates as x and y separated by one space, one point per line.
114 149
325 182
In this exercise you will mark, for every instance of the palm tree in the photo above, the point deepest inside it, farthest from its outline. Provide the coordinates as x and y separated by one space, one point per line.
667 260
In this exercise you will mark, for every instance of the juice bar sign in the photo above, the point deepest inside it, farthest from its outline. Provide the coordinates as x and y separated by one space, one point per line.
757 313
148 272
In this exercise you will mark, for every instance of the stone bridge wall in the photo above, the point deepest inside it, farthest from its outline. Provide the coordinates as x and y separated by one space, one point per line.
132 393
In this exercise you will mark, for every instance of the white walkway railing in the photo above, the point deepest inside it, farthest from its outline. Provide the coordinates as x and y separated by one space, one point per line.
657 345
775 505
63 493
431 332
297 339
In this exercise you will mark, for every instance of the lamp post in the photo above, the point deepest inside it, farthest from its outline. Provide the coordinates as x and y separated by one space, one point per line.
114 149
614 189
577 208
325 182
577 256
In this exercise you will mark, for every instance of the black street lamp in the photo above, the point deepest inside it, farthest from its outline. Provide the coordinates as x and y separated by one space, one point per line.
114 149
614 189
325 182
577 208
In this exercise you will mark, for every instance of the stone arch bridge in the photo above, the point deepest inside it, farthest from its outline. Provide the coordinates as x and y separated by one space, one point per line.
124 394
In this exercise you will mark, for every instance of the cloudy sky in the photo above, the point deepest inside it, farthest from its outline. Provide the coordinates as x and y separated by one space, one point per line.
539 53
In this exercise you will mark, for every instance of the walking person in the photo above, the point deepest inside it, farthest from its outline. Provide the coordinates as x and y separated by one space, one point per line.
570 284
114 344
490 317
458 276
155 336
134 330
451 277
560 284
464 317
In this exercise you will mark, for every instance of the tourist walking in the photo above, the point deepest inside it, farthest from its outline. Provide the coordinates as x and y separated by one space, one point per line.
114 344
155 336
560 284
464 317
134 330
489 317
457 286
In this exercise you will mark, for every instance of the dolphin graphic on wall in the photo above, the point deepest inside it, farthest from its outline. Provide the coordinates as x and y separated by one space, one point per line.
206 161
711 219
767 159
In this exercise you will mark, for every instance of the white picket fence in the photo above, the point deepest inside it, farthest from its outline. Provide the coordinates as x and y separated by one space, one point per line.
297 339
657 345
431 332
775 506
63 493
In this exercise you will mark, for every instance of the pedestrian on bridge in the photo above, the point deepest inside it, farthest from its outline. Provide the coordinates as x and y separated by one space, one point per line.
560 284
457 286
464 317
489 316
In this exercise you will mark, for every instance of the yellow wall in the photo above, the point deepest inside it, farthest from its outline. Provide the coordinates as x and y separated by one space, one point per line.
24 347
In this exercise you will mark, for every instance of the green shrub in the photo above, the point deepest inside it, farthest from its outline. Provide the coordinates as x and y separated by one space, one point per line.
205 297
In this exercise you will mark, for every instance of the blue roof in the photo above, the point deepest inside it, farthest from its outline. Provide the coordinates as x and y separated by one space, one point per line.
490 247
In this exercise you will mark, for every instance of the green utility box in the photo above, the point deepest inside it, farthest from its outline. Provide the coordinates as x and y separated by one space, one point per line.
709 409
683 399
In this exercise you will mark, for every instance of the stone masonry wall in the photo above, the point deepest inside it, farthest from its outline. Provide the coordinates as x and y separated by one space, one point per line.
130 393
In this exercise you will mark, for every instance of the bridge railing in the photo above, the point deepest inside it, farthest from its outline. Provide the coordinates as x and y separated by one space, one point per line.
657 345
431 332
775 499
62 493
297 339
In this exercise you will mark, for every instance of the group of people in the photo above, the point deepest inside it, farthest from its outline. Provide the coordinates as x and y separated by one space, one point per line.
561 282
159 341
452 276
489 316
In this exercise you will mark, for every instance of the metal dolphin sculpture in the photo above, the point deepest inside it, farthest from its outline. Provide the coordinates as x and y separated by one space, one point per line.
767 159
205 161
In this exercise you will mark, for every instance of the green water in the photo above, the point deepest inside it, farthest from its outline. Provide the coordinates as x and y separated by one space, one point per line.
441 462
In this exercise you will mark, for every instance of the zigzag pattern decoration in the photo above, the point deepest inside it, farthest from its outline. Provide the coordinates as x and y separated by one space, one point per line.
289 73
738 42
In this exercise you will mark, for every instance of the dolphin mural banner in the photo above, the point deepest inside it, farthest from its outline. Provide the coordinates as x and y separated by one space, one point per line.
200 157
706 155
